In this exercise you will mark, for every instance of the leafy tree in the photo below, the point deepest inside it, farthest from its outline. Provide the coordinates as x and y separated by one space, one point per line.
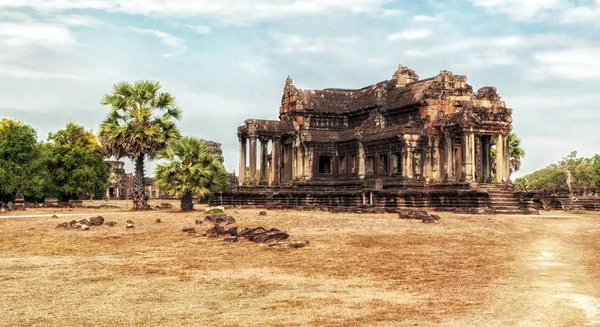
190 171
549 178
138 126
76 162
515 154
22 162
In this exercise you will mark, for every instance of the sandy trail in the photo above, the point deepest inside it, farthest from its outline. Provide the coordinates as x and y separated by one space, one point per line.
548 284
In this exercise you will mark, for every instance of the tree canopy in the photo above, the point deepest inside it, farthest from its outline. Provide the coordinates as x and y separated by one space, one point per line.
568 173
22 162
76 162
189 171
138 126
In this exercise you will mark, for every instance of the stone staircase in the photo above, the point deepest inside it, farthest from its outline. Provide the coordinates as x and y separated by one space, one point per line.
503 201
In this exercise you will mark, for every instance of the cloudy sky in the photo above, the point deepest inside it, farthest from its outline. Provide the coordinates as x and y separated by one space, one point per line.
226 61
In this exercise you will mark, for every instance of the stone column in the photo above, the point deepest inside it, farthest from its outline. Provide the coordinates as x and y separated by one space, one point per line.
252 160
485 159
242 166
428 160
499 159
361 161
449 155
276 161
300 163
436 160
468 156
506 164
409 160
264 161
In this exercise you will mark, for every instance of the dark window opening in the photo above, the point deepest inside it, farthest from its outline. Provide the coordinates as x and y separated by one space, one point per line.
383 164
324 165
370 165
353 163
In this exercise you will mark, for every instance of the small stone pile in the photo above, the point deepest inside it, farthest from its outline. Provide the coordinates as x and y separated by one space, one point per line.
418 214
10 206
257 235
221 219
84 224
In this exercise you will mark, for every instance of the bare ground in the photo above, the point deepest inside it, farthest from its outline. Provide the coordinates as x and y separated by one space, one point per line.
359 270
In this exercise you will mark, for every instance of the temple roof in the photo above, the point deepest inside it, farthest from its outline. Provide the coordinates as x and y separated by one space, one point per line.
383 94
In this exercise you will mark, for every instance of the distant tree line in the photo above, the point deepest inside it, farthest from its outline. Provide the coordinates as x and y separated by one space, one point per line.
69 164
140 125
567 174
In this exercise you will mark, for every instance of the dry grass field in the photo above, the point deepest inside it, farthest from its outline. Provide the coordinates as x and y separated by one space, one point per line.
359 270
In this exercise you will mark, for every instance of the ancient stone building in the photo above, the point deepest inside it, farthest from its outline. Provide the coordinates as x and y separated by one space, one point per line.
215 149
116 179
398 142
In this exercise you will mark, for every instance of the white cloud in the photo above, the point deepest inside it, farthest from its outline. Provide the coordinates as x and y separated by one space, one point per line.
172 41
52 36
232 11
13 15
424 19
522 9
77 20
19 72
391 12
290 44
575 64
410 35
254 64
504 43
553 11
583 14
200 29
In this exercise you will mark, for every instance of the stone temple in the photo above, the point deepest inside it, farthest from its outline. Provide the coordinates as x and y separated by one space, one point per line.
403 142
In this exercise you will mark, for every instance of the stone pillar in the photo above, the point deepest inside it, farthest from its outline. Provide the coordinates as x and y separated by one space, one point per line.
300 163
449 156
252 160
242 167
264 161
506 164
409 161
499 159
436 160
428 160
276 161
108 192
468 156
485 159
361 161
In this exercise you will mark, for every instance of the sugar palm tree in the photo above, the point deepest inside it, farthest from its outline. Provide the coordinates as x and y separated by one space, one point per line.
189 171
515 152
139 124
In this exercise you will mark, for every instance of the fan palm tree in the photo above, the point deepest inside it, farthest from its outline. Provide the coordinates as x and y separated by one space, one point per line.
139 124
515 152
190 171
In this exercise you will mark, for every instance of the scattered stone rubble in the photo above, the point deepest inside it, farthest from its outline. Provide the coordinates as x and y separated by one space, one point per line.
418 214
84 224
232 234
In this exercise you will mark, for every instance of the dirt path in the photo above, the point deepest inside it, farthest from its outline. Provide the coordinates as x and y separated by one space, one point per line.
548 284
61 215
